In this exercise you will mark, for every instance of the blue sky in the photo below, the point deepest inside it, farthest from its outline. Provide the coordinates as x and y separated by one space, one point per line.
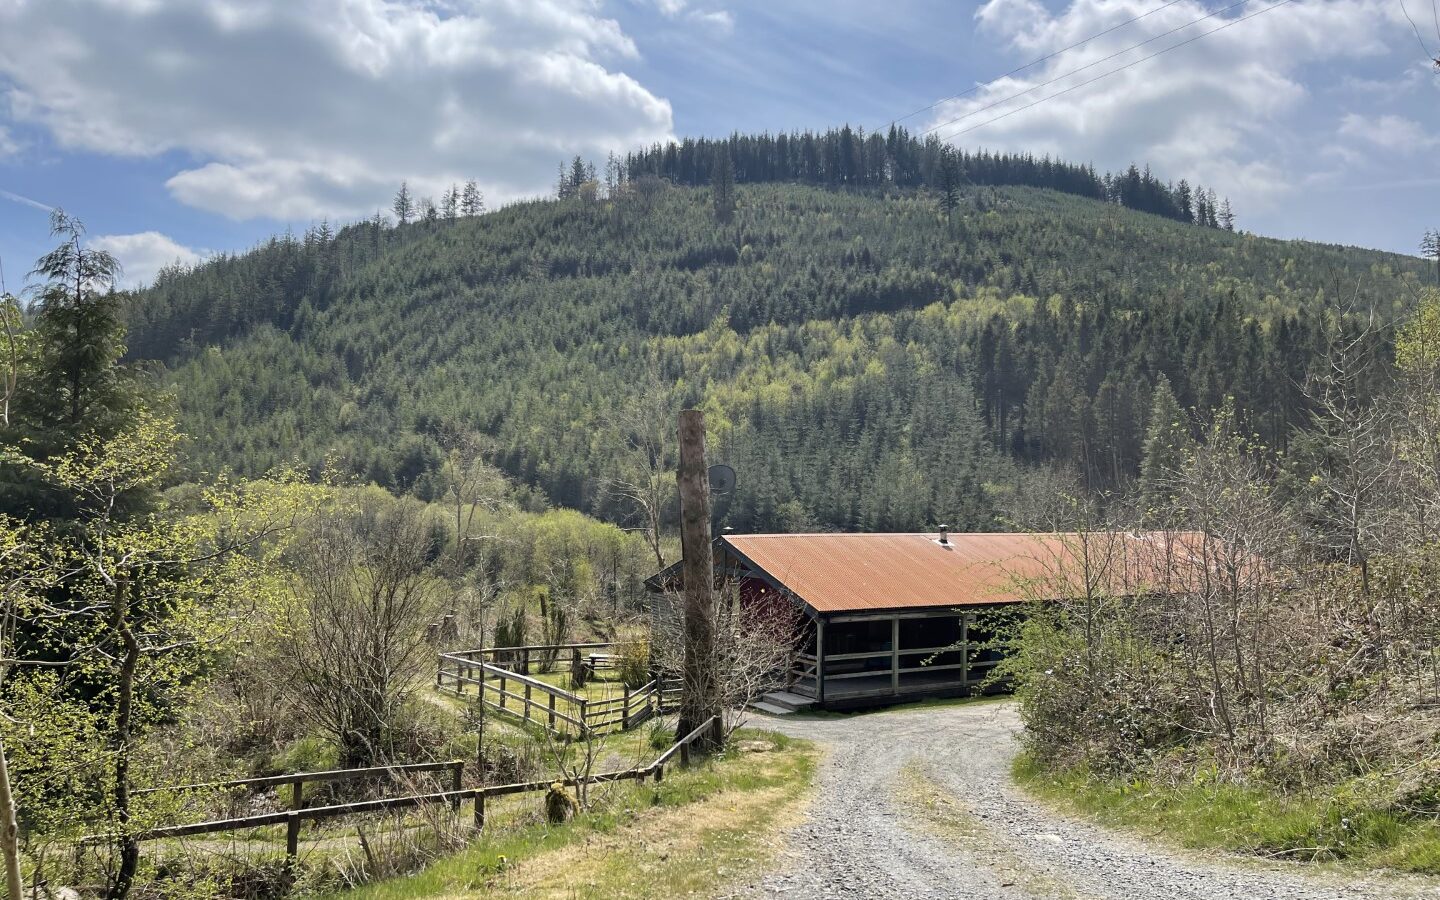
175 128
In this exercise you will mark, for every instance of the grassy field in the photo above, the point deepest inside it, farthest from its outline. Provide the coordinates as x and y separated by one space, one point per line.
685 836
1353 824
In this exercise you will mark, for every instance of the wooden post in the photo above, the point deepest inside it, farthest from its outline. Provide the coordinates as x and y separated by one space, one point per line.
659 773
685 755
895 655
292 837
297 789
524 662
700 699
457 773
820 660
479 810
551 704
527 700
502 688
584 716
625 710
965 647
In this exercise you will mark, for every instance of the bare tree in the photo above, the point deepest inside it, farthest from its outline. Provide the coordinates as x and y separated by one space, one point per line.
354 645
645 483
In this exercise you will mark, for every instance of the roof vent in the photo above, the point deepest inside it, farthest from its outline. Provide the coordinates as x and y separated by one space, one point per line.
944 534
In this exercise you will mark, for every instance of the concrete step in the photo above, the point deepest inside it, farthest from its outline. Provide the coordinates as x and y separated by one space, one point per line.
770 708
790 700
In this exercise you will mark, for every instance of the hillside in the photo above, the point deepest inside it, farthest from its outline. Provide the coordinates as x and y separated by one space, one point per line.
866 362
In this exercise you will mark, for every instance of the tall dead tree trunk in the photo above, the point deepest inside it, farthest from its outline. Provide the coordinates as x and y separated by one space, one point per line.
9 833
701 697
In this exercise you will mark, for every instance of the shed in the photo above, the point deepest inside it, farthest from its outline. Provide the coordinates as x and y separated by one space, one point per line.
897 617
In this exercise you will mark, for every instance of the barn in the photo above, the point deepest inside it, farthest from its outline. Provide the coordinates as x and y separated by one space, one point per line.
890 618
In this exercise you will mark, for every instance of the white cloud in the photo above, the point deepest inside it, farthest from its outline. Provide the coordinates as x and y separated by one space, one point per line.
721 20
308 108
142 255
1388 132
1224 110
9 146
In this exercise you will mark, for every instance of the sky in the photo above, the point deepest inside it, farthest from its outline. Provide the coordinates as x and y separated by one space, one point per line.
179 128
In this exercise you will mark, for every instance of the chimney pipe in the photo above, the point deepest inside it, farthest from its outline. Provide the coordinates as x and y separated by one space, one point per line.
944 534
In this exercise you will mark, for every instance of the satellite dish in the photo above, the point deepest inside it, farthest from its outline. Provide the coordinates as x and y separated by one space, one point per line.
722 479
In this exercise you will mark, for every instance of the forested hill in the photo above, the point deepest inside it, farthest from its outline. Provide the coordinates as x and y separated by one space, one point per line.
868 361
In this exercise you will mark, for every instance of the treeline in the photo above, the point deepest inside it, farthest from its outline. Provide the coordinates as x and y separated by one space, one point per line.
850 157
868 361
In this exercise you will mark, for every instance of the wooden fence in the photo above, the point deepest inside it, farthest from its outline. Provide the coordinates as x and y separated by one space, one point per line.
295 817
509 690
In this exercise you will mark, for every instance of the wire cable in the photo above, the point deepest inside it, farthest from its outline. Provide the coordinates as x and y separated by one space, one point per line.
1128 65
1090 65
1035 62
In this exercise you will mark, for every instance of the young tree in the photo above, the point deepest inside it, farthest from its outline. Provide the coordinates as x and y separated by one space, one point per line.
722 188
79 331
352 627
403 205
429 212
644 482
450 203
951 179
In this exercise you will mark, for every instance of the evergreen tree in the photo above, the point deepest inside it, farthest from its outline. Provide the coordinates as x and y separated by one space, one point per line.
722 189
1167 445
79 332
1430 249
1226 216
1185 201
472 203
428 211
403 206
450 203
950 181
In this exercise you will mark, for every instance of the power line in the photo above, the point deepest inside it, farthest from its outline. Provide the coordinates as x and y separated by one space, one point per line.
1035 62
1090 65
1424 48
1116 71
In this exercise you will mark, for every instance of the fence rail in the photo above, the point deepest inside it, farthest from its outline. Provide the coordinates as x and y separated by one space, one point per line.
294 818
535 701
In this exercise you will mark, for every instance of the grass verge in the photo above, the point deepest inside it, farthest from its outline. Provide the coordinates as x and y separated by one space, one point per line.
686 836
1351 824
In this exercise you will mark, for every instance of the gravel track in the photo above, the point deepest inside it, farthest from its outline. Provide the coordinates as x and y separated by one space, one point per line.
919 803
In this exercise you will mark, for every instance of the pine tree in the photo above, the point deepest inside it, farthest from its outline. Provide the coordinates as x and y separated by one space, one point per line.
450 203
1430 249
950 180
428 211
1185 201
472 203
404 205
1226 216
722 188
1167 445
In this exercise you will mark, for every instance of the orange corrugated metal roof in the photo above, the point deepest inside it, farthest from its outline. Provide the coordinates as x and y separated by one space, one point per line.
857 572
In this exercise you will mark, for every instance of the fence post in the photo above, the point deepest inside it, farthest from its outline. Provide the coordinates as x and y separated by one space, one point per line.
292 838
527 700
717 731
685 755
524 662
552 711
297 793
584 716
502 688
625 711
480 810
659 773
457 773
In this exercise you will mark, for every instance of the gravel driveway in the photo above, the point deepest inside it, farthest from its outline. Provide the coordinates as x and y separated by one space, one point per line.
919 803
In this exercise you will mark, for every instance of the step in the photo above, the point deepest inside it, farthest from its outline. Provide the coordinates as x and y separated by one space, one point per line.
789 700
770 708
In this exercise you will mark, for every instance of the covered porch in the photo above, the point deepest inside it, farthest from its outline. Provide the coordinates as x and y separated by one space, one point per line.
863 658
